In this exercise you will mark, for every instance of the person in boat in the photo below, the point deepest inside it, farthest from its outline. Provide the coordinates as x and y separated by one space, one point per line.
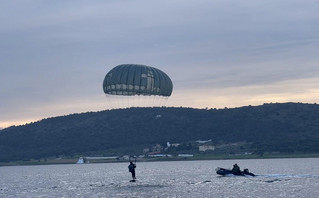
236 170
246 172
131 169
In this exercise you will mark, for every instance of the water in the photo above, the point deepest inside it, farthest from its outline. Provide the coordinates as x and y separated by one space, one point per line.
276 178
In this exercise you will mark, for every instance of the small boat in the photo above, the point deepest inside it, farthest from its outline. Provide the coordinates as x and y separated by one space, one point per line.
223 172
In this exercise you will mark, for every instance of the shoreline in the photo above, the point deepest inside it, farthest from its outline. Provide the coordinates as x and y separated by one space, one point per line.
57 161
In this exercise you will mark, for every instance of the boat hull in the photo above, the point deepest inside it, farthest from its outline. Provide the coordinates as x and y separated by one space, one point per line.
224 172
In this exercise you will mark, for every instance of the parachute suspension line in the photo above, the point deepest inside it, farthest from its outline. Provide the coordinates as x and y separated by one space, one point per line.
118 102
142 104
146 101
132 101
107 101
154 104
127 104
111 99
128 101
154 101
151 101
114 102
110 102
166 100
161 99
139 103
123 102
135 98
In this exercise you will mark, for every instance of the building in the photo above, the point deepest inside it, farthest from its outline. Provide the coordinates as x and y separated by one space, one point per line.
146 150
203 141
185 155
157 147
204 148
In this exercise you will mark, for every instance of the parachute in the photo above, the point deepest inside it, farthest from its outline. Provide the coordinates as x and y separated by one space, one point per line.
133 81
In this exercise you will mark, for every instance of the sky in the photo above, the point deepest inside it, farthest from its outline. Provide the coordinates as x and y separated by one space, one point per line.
54 55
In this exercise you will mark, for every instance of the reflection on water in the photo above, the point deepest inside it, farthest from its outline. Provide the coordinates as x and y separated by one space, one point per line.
275 178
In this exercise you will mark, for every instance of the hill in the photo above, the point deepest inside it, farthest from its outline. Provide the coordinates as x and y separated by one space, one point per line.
275 127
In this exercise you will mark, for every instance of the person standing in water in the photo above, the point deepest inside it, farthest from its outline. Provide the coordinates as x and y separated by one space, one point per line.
131 169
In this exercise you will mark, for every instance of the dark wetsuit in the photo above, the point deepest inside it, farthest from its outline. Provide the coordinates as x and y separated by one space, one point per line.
236 170
131 169
246 172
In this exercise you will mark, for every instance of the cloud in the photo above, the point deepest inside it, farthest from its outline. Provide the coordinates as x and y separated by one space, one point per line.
301 90
56 52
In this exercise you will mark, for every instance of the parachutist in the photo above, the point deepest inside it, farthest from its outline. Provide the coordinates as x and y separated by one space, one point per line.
236 170
131 169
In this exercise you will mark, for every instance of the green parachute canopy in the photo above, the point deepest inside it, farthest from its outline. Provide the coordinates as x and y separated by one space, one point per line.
133 79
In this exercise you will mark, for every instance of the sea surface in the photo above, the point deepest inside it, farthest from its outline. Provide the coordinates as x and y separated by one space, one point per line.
276 178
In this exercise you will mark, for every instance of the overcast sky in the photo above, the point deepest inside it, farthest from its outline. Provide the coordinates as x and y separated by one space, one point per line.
54 55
